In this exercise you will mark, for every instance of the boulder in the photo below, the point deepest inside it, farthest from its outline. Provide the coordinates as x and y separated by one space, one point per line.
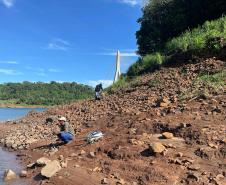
91 154
51 169
43 161
9 175
156 147
104 181
167 135
23 173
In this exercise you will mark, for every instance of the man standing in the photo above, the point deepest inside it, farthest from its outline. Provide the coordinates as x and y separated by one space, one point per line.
66 131
98 91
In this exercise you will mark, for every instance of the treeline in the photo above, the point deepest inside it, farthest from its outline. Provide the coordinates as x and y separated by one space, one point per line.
172 27
39 93
163 20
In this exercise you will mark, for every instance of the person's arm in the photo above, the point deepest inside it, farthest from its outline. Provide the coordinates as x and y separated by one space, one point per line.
66 127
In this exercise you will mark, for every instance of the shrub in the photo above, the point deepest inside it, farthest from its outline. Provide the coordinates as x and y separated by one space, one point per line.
149 63
199 38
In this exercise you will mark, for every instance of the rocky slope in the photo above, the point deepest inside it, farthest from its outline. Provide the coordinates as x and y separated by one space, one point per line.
165 128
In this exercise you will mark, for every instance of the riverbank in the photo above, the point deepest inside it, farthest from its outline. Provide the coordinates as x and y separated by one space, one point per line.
5 105
151 135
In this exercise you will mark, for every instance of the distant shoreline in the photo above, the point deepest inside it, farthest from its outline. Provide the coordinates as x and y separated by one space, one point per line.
22 106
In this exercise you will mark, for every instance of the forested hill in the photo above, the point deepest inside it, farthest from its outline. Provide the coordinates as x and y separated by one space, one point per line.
39 93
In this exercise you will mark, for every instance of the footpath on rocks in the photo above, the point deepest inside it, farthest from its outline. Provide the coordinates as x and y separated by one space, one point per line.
167 128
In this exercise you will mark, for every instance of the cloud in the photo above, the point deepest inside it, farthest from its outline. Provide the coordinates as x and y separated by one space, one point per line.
105 83
58 44
131 2
42 71
8 3
9 62
52 70
10 72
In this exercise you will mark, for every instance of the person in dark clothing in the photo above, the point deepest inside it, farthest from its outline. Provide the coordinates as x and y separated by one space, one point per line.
98 91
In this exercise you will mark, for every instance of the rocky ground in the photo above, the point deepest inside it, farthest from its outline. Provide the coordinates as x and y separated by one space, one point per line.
165 128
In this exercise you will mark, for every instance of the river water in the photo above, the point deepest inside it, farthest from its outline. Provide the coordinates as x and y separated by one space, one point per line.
7 159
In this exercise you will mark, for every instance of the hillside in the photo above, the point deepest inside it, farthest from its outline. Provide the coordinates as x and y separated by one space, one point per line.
133 119
53 93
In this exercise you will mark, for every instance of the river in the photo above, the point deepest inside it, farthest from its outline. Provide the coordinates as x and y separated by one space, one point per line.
7 159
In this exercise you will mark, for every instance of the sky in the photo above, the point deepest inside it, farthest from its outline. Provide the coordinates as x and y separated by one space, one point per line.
66 40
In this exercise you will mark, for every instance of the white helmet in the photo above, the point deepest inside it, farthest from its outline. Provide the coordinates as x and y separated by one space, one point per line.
62 118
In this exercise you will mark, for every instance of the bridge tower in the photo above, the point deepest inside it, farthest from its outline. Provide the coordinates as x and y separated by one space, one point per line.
118 70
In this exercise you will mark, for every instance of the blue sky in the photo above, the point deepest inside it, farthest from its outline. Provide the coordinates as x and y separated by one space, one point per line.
66 40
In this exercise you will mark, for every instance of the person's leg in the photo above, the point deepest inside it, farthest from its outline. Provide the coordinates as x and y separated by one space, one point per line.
66 137
97 95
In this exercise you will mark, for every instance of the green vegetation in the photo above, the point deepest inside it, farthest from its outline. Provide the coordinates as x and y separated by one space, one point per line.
163 20
210 83
43 93
200 38
154 83
147 64
212 35
171 27
215 80
122 83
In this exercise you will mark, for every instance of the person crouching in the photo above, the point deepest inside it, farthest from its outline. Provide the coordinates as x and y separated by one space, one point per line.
66 130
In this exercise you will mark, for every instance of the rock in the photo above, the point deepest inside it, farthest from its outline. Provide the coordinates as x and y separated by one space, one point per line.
97 169
104 181
63 164
23 173
82 152
91 154
9 175
73 155
8 143
179 154
163 104
167 135
121 182
219 179
67 174
156 147
194 167
212 145
61 158
2 141
136 142
194 176
43 161
31 165
51 169
132 131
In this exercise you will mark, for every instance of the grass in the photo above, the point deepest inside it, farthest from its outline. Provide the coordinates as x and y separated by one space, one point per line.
208 36
216 80
123 83
204 36
147 64
205 85
154 83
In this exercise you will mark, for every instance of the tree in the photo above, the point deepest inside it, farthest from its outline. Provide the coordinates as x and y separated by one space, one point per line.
165 19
